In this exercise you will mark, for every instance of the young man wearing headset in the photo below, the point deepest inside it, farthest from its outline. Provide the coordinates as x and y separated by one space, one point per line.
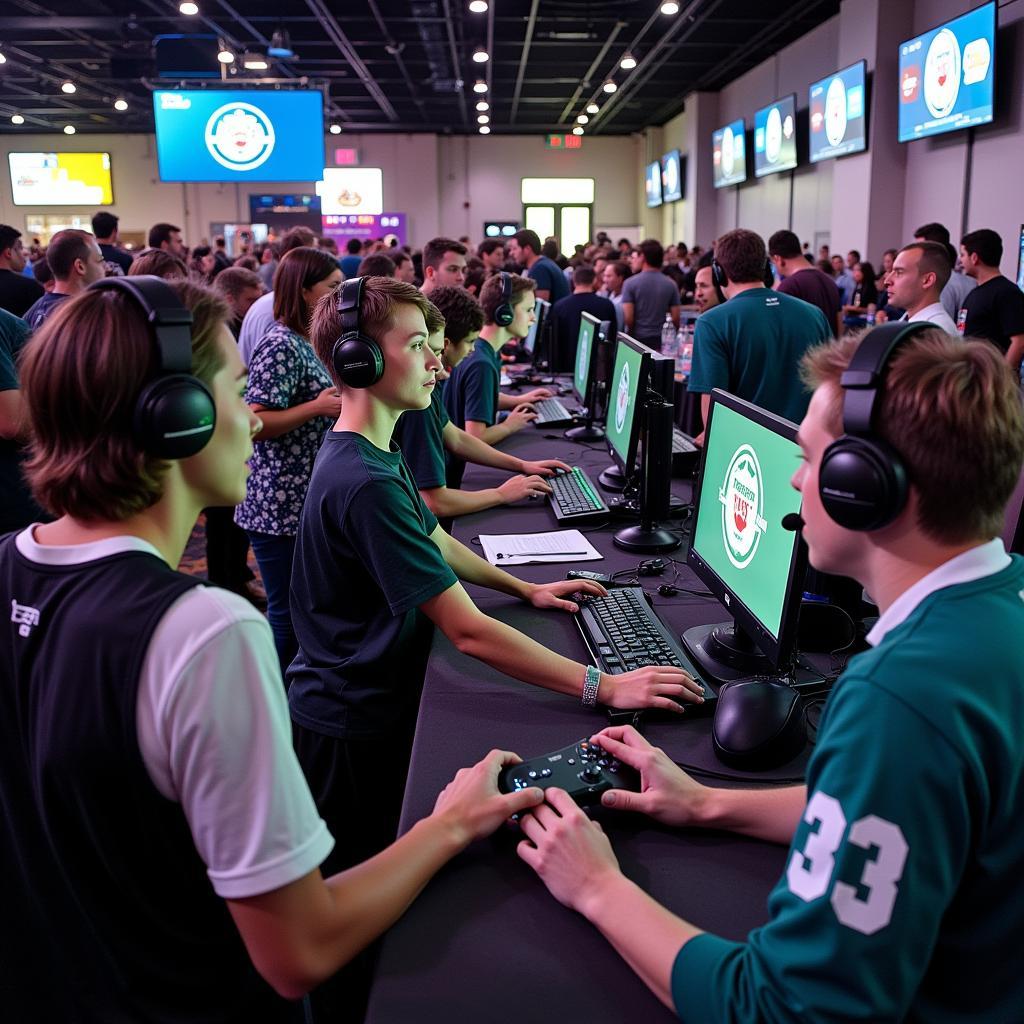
903 886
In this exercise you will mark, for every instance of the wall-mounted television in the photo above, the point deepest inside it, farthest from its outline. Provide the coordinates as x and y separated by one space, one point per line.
838 113
60 179
654 183
947 76
239 134
775 137
348 190
672 176
728 145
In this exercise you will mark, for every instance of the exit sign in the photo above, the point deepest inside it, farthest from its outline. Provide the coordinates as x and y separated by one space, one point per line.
563 141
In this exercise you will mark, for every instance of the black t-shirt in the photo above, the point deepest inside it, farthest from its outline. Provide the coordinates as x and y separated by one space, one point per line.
18 292
112 254
815 287
566 315
995 311
420 435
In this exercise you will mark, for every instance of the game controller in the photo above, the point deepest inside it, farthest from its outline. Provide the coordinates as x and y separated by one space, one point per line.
584 770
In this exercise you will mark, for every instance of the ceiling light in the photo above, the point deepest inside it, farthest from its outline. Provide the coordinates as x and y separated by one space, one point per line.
188 7
481 56
478 6
3 59
628 62
481 86
254 62
484 130
582 119
483 119
483 105
226 56
120 103
68 87
609 86
577 130
69 129
17 119
592 108
335 129
670 7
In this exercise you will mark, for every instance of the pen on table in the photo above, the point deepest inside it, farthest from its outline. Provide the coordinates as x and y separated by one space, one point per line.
539 554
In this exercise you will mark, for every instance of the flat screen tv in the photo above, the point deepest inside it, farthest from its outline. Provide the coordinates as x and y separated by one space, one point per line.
728 145
947 76
672 176
654 183
60 179
838 113
775 137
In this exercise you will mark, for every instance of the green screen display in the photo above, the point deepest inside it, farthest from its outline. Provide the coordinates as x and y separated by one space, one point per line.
745 492
583 348
622 392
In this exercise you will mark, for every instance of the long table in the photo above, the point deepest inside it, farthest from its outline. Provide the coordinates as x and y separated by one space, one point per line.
485 942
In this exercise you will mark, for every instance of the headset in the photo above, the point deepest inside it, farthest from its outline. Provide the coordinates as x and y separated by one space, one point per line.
720 280
175 414
358 359
862 479
504 314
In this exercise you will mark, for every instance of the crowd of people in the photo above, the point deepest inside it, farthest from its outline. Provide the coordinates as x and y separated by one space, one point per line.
259 857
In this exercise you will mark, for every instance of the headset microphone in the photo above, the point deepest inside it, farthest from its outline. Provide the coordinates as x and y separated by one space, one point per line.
793 522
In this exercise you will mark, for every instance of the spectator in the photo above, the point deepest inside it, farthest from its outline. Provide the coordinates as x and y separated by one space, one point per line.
247 262
706 294
524 249
404 270
551 251
17 292
615 275
104 227
995 309
268 264
377 265
42 274
843 279
566 315
76 261
240 288
352 258
474 282
625 247
167 238
888 259
959 284
802 279
202 264
864 299
160 264
492 252
444 265
648 295
919 272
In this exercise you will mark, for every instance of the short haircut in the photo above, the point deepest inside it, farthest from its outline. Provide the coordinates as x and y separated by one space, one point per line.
232 281
8 236
933 231
474 279
952 411
377 265
934 259
41 271
785 245
104 224
623 241
219 242
353 247
299 268
434 318
81 378
525 237
434 250
160 233
583 276
398 257
890 252
463 315
742 255
620 267
381 297
160 264
295 238
489 245
550 249
65 247
855 255
328 243
490 294
247 262
652 251
985 244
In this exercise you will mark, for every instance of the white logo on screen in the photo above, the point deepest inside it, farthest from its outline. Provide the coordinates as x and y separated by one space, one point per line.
742 498
239 136
728 153
583 359
622 399
942 73
835 112
773 135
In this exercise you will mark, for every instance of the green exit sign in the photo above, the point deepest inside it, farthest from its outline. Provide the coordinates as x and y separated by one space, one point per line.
563 141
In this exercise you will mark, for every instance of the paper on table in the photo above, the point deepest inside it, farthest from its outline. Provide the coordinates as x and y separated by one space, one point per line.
537 548
504 380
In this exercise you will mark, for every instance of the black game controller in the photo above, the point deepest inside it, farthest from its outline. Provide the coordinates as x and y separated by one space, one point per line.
584 770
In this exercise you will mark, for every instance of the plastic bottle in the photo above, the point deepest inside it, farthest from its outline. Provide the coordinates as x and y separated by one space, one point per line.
669 341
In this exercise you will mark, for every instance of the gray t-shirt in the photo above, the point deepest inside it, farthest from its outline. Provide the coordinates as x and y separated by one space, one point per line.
956 289
652 295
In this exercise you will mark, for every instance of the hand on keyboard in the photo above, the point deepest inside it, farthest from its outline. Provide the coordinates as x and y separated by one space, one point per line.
537 394
551 595
545 467
653 686
519 417
517 488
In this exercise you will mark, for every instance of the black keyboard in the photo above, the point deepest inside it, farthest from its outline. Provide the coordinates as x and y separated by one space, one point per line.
574 499
623 632
685 454
551 413
682 443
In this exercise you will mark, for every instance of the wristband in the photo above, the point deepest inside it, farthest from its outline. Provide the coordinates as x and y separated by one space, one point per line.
591 681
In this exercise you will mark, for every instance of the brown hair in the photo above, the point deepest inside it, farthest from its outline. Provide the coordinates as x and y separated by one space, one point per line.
490 294
299 268
159 263
462 313
232 281
65 247
376 315
952 411
434 250
933 260
742 255
295 238
81 378
434 318
377 265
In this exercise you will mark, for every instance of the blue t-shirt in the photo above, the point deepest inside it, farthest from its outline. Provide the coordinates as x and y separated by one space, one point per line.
548 276
350 265
37 313
364 563
420 435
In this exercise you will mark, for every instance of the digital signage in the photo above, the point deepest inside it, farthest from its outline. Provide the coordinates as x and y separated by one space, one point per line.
654 184
728 147
947 76
671 176
60 179
239 135
348 190
775 137
838 113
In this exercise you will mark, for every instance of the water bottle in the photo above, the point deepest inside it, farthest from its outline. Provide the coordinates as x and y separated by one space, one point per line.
871 314
669 341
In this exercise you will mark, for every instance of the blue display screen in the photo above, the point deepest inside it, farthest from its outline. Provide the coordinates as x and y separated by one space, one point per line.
947 76
775 137
838 118
653 184
729 154
239 135
671 176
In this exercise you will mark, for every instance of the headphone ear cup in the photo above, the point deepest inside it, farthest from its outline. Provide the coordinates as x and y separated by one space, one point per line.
175 417
358 361
717 274
504 315
862 483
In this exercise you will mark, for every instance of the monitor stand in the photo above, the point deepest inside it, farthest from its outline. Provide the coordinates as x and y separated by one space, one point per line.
613 479
586 432
723 651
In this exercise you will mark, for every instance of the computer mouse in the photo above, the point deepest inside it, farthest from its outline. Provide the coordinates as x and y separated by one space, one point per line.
759 724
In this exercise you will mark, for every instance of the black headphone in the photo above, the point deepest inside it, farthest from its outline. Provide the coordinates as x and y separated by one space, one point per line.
720 280
862 480
175 414
358 359
504 314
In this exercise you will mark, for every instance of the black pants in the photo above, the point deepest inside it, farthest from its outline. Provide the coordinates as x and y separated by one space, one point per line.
358 787
227 549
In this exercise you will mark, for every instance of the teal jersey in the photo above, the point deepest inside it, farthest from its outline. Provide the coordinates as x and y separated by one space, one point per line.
751 346
903 894
420 435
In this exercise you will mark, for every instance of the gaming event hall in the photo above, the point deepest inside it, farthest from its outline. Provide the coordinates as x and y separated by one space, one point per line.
511 512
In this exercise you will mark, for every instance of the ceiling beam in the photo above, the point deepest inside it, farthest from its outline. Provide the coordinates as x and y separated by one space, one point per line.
530 25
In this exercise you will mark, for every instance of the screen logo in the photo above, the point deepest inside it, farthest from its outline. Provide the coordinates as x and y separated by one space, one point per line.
742 498
583 358
239 136
835 111
942 73
622 399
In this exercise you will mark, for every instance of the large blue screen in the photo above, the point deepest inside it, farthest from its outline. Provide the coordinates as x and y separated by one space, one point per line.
775 137
838 114
947 76
239 135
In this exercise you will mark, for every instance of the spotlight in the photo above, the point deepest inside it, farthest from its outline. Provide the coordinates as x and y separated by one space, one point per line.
481 56
188 7
670 7
483 119
335 129
480 86
478 6
120 103
592 108
484 130
254 62
577 130
280 45
68 87
582 119
483 105
609 86
628 62
17 119
226 56
69 129
3 59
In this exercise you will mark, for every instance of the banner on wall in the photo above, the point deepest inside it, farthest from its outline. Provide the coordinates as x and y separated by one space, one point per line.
342 227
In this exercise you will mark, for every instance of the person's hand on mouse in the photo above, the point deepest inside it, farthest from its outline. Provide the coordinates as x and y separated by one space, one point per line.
552 595
667 793
544 467
516 488
537 394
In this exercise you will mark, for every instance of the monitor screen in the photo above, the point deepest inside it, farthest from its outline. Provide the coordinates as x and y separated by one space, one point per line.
838 120
631 367
775 137
672 176
61 179
239 135
1020 259
540 309
586 348
729 154
740 550
947 76
654 184
351 190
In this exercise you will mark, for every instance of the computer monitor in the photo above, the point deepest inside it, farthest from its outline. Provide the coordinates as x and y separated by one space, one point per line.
728 150
653 183
775 137
630 374
540 312
586 358
1020 259
672 176
740 551
838 113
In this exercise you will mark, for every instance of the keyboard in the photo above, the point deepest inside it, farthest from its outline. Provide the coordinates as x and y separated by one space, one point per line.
682 443
551 413
623 633
574 499
685 454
